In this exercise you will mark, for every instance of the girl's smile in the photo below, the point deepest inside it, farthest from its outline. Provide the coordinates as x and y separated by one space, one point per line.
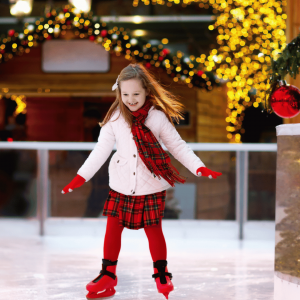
133 94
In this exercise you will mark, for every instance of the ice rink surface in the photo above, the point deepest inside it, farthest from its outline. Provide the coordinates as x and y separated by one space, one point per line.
205 257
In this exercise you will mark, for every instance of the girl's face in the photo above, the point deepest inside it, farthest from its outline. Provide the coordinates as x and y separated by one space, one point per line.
133 94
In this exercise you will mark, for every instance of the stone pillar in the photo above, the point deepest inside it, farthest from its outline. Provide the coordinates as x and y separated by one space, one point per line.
287 230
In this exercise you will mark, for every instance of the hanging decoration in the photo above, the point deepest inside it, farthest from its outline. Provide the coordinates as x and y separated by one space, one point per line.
180 68
285 100
250 34
286 63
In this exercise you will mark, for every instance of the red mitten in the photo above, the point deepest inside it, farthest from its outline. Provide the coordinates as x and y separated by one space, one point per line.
75 183
203 171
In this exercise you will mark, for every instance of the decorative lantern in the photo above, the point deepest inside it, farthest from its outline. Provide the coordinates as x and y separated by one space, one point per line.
21 8
285 100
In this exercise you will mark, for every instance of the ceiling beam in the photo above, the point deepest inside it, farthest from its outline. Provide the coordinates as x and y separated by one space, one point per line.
125 19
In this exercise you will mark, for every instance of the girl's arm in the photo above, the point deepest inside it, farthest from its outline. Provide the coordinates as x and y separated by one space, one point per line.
100 153
178 147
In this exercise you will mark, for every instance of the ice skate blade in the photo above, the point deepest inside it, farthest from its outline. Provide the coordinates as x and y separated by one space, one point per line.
166 295
99 298
108 293
167 291
95 288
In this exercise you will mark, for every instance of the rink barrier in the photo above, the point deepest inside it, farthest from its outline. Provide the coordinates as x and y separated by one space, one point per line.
242 170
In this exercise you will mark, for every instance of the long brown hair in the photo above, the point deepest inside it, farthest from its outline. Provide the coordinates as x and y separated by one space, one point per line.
161 98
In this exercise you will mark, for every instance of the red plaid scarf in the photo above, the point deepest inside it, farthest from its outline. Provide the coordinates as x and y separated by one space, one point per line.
153 155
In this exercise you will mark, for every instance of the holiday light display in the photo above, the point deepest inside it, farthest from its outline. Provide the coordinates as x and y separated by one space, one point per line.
250 34
180 68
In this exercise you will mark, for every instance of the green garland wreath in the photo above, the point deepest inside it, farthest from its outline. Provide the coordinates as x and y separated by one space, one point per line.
85 25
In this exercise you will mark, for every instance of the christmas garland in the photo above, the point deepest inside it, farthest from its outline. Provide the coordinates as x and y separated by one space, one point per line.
54 25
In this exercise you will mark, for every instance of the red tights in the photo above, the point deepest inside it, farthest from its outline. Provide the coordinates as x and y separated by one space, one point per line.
112 240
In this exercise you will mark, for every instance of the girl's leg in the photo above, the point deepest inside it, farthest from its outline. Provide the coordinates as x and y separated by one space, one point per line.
158 250
105 282
112 239
112 247
157 243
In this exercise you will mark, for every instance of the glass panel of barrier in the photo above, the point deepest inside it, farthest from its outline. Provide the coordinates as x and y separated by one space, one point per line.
86 201
204 198
262 185
198 198
18 175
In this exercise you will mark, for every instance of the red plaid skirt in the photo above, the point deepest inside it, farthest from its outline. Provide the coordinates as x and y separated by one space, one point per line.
135 212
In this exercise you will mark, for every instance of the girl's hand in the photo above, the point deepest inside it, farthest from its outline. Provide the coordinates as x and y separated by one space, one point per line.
203 171
75 183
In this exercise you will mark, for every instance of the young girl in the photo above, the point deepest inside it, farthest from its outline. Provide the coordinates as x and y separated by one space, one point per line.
140 171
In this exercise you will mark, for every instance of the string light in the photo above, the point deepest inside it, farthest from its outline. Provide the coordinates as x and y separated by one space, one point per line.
21 104
180 68
250 33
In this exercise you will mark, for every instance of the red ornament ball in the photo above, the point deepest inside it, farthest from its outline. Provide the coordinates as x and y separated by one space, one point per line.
200 73
103 33
11 32
285 101
49 37
92 38
166 51
160 58
148 65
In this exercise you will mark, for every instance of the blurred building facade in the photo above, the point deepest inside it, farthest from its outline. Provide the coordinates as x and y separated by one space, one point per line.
67 107
56 105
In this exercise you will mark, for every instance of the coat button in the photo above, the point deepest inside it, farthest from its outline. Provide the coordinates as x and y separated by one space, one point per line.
133 193
134 155
117 161
133 173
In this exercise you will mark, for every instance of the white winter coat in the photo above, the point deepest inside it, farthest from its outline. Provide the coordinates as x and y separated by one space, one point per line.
127 172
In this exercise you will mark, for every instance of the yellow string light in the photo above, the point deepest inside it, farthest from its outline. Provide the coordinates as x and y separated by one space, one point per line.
250 33
21 104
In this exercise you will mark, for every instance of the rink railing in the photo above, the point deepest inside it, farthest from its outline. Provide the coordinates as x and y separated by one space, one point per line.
242 169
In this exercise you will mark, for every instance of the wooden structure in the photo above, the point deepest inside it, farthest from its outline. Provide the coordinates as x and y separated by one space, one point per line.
55 104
